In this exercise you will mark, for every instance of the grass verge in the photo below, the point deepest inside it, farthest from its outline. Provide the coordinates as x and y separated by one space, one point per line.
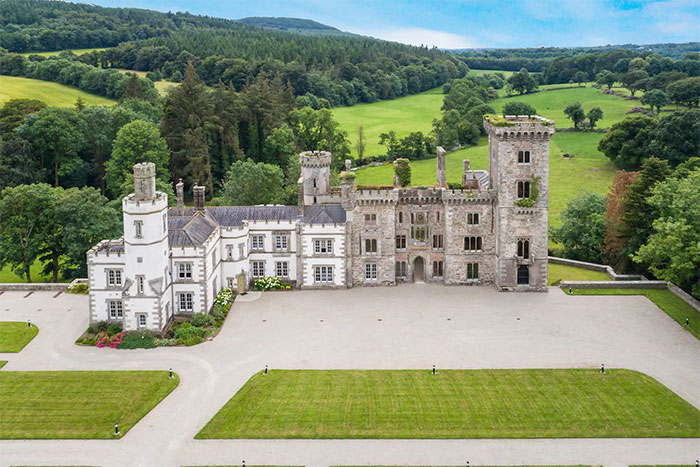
562 272
570 403
15 335
664 299
77 404
3 363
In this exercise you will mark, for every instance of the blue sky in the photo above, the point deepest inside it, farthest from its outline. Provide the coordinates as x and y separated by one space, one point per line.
473 23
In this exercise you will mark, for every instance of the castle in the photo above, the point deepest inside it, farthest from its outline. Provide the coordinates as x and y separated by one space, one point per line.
174 261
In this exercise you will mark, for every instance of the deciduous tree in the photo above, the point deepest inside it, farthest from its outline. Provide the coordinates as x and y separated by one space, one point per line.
249 183
583 228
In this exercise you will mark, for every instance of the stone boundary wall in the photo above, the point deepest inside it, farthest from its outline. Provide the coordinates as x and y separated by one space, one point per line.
620 281
39 286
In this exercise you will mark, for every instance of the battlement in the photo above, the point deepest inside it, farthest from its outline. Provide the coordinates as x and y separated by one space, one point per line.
518 126
316 159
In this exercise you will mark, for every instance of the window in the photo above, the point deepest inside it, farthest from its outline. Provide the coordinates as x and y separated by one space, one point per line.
184 271
140 284
213 259
401 269
523 157
231 283
371 218
400 217
472 270
323 246
371 245
524 248
472 243
229 251
282 269
138 229
114 277
165 222
241 250
371 271
400 242
523 275
185 301
142 321
258 268
281 242
257 242
473 218
115 309
437 268
437 241
418 234
323 274
523 190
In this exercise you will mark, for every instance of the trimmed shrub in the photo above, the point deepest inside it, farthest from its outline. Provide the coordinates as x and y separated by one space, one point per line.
202 320
137 340
81 289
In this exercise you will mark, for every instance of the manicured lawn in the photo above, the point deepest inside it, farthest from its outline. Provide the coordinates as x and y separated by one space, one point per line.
664 299
14 335
587 170
75 51
3 363
77 404
453 404
8 276
53 94
561 272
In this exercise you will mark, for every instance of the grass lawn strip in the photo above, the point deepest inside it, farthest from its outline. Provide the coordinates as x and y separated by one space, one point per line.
3 363
563 272
663 298
537 403
15 335
77 404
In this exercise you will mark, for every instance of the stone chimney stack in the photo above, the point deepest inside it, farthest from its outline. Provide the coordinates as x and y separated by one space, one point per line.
180 192
465 172
145 181
348 165
440 176
199 195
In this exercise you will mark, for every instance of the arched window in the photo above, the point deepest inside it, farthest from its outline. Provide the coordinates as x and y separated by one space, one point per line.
523 157
523 190
524 248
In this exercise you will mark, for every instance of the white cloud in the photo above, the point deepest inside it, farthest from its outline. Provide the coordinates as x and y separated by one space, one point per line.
418 36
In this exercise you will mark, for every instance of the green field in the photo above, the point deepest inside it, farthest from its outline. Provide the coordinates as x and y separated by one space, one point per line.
588 170
53 94
75 51
7 276
77 404
15 335
562 272
664 299
474 72
453 404
162 86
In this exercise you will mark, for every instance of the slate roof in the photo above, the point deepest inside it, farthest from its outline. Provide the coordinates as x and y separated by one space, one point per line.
112 246
481 175
324 214
232 216
190 230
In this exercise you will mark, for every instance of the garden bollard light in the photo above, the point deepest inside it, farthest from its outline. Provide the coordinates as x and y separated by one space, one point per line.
265 372
171 373
243 464
29 323
433 369
687 322
569 290
467 463
116 429
602 368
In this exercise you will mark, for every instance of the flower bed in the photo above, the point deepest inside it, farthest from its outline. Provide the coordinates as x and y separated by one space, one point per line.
271 283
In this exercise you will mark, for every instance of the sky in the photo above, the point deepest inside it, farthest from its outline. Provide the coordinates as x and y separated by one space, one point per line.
472 23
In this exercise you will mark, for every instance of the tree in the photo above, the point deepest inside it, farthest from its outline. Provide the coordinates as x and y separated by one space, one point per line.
639 212
57 134
615 243
595 114
18 166
672 251
360 144
280 147
655 98
580 77
99 134
583 228
627 143
518 108
575 113
26 212
316 130
187 116
677 137
606 78
13 113
136 142
522 82
248 183
634 80
685 91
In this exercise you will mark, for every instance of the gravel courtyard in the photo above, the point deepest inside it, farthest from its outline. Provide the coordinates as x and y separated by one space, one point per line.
410 326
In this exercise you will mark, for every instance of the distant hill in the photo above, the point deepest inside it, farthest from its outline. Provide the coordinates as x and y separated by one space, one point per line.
305 27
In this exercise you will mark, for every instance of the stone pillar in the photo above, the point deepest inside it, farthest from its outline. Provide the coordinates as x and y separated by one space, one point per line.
145 181
465 172
396 177
199 194
180 192
348 165
440 176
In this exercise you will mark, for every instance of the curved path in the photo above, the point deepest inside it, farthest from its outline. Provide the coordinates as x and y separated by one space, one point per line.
421 325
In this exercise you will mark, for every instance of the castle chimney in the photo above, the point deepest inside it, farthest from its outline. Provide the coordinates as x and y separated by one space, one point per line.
198 192
440 177
180 192
465 172
145 181
300 196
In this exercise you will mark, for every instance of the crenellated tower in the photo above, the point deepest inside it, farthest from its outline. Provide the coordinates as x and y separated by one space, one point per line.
519 173
315 176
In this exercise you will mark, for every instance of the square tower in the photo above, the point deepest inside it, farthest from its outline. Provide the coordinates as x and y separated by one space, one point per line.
519 174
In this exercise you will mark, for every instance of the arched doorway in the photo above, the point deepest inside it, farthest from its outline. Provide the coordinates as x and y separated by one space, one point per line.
418 270
523 275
